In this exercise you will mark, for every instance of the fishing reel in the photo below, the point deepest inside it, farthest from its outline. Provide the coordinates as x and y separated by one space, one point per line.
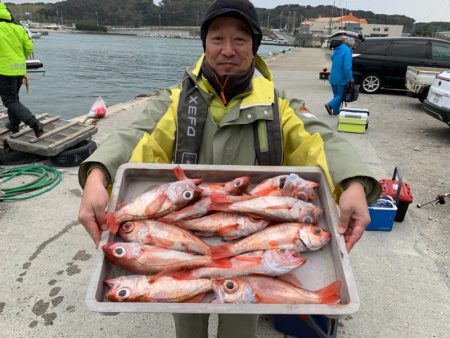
440 199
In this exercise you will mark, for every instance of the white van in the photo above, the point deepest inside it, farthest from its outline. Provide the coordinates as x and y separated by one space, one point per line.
437 103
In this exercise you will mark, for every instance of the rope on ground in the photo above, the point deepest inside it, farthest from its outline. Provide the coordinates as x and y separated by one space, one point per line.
45 179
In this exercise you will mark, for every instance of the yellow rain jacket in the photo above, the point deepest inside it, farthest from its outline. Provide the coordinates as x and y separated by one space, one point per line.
228 134
15 45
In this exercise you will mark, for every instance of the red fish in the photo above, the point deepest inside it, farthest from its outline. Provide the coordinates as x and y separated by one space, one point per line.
163 235
139 288
148 259
269 263
269 290
290 185
156 203
297 236
196 210
226 224
235 187
273 208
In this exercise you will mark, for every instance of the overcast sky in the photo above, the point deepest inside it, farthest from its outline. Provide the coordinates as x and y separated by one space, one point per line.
420 10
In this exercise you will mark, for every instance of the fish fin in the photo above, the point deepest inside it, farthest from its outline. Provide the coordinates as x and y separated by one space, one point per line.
222 251
279 207
182 275
218 207
168 220
165 243
216 185
331 293
222 264
179 173
197 181
249 259
230 238
228 199
197 299
274 244
292 279
111 221
202 233
152 208
223 230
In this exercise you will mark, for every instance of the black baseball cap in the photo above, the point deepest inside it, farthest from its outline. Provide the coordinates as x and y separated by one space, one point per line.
242 9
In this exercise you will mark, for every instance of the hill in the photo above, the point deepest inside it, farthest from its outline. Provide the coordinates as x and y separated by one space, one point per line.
135 13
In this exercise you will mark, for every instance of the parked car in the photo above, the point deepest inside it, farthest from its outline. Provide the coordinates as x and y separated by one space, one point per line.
419 80
437 103
381 63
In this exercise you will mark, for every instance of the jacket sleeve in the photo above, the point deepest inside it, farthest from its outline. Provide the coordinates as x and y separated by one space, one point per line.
310 142
28 46
347 64
149 138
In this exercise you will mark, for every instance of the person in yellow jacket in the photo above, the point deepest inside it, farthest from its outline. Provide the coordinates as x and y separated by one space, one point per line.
15 46
227 111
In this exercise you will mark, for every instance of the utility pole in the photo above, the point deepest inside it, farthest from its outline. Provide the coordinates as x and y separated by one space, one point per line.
268 19
293 23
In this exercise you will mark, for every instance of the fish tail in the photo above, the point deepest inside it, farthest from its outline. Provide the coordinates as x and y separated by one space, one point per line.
222 251
330 294
111 221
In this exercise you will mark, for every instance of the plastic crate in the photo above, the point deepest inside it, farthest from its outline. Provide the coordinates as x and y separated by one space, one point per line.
382 219
305 326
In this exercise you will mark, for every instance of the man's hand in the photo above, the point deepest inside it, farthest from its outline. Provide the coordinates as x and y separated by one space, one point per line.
354 216
93 204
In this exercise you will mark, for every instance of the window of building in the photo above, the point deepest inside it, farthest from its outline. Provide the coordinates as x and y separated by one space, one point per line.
376 29
386 29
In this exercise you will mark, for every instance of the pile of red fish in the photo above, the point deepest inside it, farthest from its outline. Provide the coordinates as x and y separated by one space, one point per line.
270 226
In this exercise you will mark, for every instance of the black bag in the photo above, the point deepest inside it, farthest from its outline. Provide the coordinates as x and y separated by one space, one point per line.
351 92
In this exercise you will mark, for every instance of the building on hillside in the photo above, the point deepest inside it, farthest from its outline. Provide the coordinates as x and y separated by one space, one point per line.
313 32
443 35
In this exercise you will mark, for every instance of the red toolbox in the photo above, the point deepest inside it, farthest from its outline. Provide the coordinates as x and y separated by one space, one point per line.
398 190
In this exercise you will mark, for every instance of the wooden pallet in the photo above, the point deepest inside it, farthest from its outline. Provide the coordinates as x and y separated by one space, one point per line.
58 135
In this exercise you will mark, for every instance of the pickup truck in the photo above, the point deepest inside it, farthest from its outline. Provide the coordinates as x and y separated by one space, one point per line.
419 79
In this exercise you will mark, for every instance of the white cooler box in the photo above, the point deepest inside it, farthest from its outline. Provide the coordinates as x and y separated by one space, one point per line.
353 120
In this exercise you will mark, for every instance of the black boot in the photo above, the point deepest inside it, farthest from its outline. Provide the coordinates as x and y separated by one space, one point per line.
38 129
13 129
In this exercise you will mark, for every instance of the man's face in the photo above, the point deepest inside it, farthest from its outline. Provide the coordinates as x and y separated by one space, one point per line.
229 46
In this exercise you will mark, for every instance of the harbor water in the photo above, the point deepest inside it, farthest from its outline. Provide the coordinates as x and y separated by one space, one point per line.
81 67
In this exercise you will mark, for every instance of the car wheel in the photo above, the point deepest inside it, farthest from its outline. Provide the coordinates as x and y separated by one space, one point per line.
73 157
371 83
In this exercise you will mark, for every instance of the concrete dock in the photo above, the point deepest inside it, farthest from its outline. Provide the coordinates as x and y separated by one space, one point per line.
402 276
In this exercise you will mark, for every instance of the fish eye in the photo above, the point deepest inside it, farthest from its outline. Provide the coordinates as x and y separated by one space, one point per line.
119 252
123 293
230 286
188 195
317 230
237 184
127 227
307 219
282 250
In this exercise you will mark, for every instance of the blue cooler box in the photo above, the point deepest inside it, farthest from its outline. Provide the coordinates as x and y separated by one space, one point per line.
382 218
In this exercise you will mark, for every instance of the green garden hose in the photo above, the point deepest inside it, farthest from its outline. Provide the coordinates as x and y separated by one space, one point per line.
45 179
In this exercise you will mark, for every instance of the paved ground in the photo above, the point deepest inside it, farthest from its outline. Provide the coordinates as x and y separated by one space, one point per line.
402 276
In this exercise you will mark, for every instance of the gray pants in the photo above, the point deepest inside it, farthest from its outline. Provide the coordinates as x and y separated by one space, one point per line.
189 325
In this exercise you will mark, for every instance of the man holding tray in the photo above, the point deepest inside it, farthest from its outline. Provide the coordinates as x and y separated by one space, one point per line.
227 111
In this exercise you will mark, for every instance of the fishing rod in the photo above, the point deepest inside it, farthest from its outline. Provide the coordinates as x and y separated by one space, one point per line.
440 199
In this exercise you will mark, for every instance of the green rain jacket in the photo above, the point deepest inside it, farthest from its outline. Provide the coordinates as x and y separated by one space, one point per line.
15 45
228 134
